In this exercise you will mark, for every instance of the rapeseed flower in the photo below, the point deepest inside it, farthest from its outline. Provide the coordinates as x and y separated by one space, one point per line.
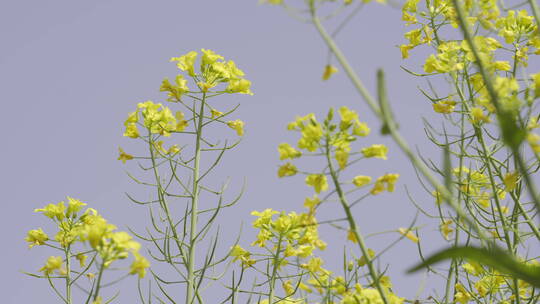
36 237
318 182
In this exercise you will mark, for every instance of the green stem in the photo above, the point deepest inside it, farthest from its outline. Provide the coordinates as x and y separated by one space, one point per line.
68 274
352 226
274 272
194 207
98 283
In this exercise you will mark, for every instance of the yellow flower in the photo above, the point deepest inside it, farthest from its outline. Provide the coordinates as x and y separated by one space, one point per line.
36 237
317 181
124 156
53 211
287 169
444 107
81 258
139 265
446 229
534 141
478 116
186 62
408 234
361 180
287 151
510 181
363 261
175 90
205 86
53 263
311 203
181 123
173 150
462 295
74 206
385 182
502 65
209 57
405 48
329 70
414 37
215 113
342 156
239 253
361 129
241 86
352 237
237 125
131 131
378 151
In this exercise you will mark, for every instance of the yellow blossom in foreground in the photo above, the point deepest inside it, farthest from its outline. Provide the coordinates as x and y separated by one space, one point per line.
36 237
237 125
378 151
409 234
124 156
361 180
287 169
317 181
329 70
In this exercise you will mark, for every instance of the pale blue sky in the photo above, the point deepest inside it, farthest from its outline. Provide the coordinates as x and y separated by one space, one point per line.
70 71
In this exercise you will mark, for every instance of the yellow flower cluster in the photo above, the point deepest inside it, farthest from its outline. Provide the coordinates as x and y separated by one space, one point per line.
88 228
334 139
296 234
213 71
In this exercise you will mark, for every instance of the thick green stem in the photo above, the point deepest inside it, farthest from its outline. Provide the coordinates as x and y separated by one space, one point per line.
194 207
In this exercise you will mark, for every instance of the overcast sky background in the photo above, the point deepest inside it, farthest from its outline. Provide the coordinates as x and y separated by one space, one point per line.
70 71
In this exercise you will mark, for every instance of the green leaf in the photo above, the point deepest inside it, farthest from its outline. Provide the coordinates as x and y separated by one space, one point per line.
494 258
